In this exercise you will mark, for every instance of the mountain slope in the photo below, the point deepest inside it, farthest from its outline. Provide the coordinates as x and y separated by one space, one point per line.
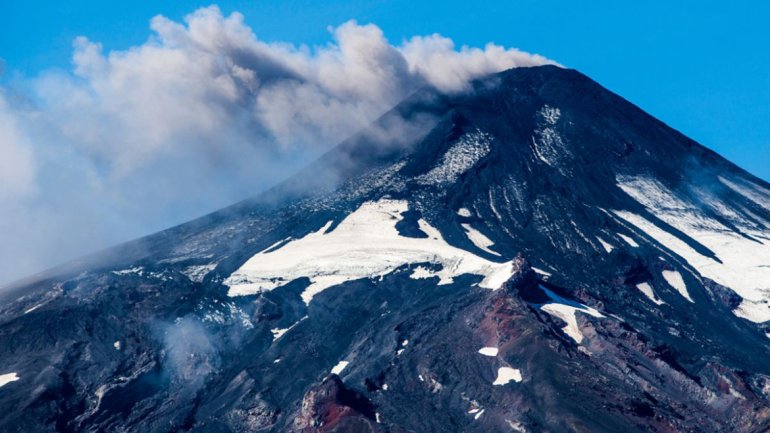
536 254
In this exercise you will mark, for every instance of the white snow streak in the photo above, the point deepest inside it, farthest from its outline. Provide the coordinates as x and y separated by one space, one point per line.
606 245
628 240
478 239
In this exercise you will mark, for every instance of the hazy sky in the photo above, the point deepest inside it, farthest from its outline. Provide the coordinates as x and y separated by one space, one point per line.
115 122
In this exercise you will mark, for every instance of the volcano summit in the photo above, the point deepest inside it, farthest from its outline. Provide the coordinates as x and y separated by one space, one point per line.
536 255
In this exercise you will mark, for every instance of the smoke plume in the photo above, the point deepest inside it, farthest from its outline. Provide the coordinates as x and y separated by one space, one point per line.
200 115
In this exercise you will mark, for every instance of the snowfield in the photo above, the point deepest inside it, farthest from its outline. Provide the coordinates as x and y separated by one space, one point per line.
366 244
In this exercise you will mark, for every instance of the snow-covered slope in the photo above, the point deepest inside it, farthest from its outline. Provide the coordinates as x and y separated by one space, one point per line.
741 251
366 244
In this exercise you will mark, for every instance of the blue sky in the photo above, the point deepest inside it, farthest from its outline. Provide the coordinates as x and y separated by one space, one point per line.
703 69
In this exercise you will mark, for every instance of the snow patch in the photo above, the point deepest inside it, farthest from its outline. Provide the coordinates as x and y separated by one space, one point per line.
646 289
506 375
565 310
117 345
675 280
278 332
516 426
488 351
463 212
366 244
421 273
8 378
339 367
478 414
478 239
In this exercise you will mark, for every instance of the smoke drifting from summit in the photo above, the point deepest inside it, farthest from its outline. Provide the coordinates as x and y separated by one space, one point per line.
200 115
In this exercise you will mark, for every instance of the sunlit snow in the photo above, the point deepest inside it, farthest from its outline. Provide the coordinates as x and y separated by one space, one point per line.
339 367
606 245
278 332
488 351
463 212
744 267
506 375
565 310
646 289
366 244
675 280
478 239
8 378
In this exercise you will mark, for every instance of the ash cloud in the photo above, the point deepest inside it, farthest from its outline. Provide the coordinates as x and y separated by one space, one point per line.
202 114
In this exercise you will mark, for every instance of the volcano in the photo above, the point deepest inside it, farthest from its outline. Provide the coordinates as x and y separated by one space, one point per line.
534 254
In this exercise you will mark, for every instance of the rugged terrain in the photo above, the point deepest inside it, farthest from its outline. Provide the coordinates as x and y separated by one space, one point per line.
533 255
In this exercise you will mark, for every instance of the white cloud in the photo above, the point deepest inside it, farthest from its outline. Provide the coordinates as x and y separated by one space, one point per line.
201 114
17 166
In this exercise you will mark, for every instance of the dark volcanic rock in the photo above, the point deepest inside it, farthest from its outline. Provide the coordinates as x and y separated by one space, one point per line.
331 407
